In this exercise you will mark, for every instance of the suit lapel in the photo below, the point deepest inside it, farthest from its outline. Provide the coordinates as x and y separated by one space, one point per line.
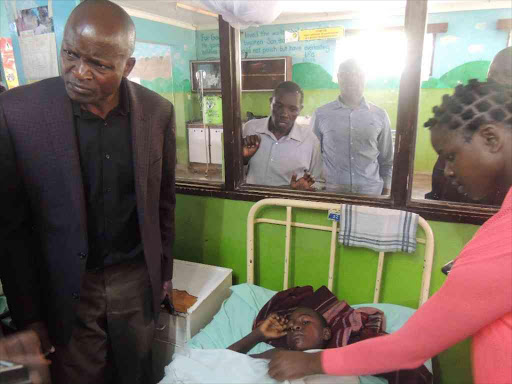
141 130
59 123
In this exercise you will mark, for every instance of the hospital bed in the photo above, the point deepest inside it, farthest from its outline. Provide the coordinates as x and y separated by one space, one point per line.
234 319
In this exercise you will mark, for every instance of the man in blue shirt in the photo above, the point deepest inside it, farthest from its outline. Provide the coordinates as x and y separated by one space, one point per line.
355 138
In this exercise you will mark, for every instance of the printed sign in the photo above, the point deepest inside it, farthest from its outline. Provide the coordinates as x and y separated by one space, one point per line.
9 65
334 215
291 37
321 33
213 110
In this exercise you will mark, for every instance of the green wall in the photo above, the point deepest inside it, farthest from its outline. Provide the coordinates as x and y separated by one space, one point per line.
213 231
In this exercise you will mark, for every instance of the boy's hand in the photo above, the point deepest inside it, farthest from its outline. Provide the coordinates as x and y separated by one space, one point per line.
273 327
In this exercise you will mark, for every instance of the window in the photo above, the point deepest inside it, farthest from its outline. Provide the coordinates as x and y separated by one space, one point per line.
464 50
401 100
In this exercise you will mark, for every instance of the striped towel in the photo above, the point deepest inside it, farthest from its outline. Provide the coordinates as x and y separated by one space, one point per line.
380 229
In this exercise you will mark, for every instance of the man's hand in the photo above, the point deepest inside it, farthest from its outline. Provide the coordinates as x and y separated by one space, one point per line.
167 290
289 365
273 327
42 332
251 144
25 348
304 183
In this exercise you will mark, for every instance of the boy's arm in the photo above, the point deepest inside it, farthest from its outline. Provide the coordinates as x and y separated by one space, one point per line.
272 327
267 354
248 342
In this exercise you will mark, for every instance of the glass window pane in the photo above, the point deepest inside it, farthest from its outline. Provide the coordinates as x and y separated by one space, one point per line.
340 137
461 42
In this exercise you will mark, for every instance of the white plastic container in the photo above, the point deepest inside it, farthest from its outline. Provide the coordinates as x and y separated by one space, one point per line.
210 284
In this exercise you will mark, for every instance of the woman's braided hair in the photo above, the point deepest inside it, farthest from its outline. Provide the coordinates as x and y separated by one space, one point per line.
473 105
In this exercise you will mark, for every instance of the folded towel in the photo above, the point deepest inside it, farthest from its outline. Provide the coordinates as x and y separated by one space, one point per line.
380 229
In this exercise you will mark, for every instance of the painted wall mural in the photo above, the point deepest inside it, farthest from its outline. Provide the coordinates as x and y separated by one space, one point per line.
153 68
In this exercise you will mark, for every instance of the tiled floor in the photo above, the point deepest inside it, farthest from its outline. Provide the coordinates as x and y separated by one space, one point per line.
421 182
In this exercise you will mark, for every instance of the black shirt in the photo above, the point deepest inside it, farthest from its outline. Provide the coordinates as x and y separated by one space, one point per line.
106 161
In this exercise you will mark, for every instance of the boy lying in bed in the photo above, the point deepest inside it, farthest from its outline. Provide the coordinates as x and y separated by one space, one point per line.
305 329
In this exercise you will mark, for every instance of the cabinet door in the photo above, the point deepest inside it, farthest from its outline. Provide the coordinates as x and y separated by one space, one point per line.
216 145
197 149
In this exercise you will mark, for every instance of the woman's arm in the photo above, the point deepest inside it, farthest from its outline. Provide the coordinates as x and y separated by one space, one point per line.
477 292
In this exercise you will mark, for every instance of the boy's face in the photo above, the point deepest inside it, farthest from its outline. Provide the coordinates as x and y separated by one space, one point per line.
306 330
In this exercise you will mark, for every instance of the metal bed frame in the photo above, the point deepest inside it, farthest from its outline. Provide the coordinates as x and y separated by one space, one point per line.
428 240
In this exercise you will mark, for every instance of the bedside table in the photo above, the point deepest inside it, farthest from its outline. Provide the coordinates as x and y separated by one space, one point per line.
210 284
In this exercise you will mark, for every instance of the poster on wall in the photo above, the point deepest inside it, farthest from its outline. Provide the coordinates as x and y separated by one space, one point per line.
153 68
39 56
37 42
34 21
8 62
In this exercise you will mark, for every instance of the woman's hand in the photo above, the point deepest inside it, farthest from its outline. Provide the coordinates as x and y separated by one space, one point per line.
289 365
273 327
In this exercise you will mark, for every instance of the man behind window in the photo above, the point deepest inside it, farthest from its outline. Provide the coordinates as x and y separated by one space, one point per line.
355 137
279 152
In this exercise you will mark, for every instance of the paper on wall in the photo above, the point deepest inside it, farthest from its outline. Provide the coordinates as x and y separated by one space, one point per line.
39 56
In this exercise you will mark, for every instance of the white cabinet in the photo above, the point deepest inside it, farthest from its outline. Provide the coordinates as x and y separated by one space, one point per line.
202 140
210 284
216 145
197 145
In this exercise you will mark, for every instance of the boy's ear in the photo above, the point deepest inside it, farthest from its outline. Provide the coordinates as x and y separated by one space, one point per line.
326 335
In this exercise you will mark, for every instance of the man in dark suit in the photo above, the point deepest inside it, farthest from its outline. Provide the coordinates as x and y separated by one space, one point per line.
87 204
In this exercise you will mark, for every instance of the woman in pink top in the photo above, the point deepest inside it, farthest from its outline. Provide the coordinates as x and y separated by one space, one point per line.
472 130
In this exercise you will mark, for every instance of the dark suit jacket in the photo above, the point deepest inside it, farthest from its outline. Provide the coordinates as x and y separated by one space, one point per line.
43 231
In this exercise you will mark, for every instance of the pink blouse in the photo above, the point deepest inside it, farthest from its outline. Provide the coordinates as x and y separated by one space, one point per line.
475 300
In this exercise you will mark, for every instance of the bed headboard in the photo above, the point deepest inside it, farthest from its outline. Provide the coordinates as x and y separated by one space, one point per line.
428 241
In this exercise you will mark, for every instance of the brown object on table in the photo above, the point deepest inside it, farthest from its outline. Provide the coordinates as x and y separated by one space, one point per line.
182 300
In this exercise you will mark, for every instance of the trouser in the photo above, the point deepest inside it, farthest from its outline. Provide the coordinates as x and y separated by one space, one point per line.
113 331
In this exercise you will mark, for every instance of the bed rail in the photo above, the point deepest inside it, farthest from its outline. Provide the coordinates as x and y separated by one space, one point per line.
428 241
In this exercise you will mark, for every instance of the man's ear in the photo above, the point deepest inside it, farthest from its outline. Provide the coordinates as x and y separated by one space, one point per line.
326 334
492 136
130 63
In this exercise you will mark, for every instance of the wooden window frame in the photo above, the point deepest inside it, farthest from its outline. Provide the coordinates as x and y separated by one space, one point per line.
235 188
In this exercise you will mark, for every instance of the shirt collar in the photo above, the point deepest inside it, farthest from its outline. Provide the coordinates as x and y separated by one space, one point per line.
295 133
341 104
123 108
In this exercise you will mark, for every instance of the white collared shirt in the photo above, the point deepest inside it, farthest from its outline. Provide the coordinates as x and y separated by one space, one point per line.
277 160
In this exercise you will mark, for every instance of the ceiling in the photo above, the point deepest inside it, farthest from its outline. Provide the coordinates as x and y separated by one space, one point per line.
294 11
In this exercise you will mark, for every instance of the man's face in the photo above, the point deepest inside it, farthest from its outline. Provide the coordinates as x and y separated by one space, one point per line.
469 165
351 80
306 330
93 64
285 108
